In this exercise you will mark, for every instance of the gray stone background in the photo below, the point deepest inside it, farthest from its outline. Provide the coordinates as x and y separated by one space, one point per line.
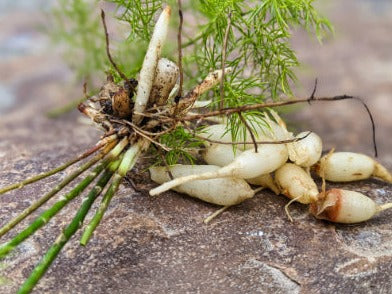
160 245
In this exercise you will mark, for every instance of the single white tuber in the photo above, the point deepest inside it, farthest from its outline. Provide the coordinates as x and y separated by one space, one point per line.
296 184
343 206
223 191
165 78
349 166
147 73
221 155
248 164
305 152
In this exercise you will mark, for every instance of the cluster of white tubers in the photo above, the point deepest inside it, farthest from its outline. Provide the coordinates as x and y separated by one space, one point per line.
278 160
274 158
283 168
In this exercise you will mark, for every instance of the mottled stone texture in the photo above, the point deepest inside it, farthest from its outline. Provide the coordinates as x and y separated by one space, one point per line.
160 245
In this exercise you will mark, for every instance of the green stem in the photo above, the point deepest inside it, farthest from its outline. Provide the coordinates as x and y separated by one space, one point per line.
45 217
51 172
101 210
13 222
113 154
68 232
127 163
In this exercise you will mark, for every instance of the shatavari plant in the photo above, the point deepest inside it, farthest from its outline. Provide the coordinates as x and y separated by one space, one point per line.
256 36
230 62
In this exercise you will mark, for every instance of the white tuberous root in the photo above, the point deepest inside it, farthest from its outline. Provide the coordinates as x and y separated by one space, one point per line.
147 73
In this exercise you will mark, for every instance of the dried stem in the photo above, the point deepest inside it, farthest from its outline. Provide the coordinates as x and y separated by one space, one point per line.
313 92
296 139
142 134
249 130
96 116
180 47
122 75
231 110
145 134
85 90
211 80
228 111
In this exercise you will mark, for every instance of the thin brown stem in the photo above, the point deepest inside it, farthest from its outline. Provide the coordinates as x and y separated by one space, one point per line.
257 142
152 140
228 111
249 130
147 133
247 107
142 134
85 90
224 49
122 75
179 40
314 90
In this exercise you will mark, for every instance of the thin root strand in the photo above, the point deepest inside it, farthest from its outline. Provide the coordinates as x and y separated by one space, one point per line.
215 214
287 210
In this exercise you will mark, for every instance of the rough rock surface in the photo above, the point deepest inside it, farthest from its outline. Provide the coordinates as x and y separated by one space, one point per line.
160 245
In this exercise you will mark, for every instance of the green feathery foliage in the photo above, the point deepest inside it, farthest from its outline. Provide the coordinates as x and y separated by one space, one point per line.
179 142
257 48
77 27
